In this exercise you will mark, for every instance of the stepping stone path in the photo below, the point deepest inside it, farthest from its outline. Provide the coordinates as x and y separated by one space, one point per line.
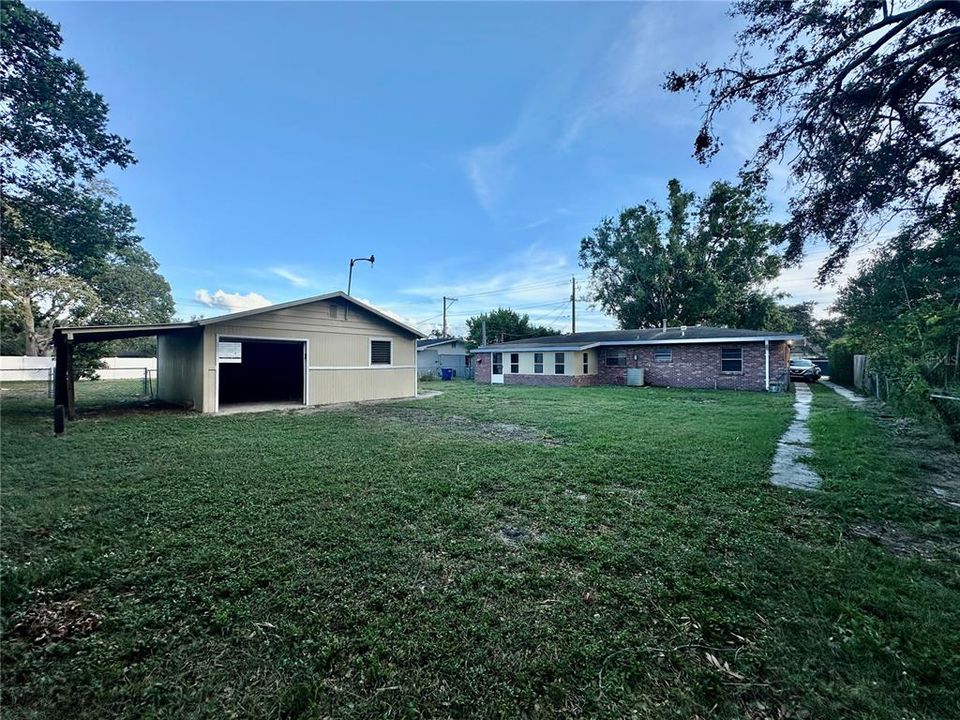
788 470
848 394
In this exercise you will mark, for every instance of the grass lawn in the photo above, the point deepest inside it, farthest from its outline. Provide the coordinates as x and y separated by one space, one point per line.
492 552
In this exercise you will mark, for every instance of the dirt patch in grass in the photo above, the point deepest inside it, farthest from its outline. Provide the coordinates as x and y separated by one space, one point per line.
56 620
901 543
462 426
938 460
517 535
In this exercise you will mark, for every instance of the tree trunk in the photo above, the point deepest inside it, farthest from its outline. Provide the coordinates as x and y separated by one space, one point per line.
31 344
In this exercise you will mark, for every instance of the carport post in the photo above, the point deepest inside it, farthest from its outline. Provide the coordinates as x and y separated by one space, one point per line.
63 374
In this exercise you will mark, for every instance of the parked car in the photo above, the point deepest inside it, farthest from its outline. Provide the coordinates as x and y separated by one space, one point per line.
803 370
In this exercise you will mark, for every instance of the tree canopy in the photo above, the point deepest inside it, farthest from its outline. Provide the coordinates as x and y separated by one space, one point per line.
903 310
861 99
70 249
52 127
696 261
504 324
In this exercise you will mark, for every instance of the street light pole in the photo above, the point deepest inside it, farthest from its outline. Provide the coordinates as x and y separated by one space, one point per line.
350 275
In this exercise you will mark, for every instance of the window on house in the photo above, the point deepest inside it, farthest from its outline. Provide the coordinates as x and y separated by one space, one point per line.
381 352
586 363
515 363
538 363
663 355
731 360
558 364
497 364
616 358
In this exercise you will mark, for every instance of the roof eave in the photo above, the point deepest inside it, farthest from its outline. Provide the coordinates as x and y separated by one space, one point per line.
609 343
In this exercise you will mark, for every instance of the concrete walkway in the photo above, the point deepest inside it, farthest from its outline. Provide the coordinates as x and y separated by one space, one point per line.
787 469
848 394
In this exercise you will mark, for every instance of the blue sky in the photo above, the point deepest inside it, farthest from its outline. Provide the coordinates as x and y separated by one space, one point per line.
468 146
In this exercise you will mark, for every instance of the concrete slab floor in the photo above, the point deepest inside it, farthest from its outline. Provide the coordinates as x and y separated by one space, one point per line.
788 469
255 407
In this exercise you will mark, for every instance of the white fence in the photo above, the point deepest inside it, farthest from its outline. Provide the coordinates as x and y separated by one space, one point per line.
19 368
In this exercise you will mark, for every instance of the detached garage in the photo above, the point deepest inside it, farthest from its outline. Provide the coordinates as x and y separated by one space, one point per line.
325 349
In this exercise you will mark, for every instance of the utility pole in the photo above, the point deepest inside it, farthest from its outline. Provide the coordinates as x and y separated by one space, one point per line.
446 304
573 304
483 342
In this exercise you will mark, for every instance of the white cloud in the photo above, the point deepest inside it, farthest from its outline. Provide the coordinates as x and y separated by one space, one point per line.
391 314
290 276
490 169
231 301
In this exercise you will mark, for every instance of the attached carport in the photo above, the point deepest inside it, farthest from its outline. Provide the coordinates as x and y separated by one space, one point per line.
66 338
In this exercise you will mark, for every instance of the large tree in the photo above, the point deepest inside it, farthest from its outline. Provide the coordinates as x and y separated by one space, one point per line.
70 250
695 261
860 99
504 324
903 310
52 127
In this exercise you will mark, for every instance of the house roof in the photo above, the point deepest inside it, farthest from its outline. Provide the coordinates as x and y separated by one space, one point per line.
654 336
90 333
433 342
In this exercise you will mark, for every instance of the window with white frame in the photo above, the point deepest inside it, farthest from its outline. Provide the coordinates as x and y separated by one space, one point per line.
558 364
586 363
615 358
515 363
538 363
663 355
731 360
381 352
497 364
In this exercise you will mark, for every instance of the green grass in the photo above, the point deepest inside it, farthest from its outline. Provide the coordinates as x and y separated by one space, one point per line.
350 563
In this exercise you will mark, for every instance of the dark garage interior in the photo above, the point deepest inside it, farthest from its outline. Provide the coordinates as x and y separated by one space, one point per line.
269 371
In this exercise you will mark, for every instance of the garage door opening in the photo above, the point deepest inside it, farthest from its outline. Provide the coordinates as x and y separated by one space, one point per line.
261 372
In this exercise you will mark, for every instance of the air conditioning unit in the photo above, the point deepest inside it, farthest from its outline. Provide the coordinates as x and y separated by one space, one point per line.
634 377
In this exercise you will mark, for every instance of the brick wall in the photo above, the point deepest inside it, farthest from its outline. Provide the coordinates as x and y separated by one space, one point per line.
481 368
697 365
692 366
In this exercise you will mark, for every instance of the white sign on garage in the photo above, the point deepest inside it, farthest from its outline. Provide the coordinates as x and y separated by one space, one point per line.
229 352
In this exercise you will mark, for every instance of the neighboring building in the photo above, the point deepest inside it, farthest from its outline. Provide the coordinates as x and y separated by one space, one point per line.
691 357
325 349
435 354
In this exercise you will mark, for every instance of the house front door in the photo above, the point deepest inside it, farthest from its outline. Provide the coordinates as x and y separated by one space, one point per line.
496 369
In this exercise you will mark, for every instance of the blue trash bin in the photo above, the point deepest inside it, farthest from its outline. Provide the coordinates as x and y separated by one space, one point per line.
446 374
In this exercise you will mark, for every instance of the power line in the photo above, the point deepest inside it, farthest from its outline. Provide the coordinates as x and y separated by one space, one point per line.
524 286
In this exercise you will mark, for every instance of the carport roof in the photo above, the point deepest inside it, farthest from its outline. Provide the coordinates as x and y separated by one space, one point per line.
97 333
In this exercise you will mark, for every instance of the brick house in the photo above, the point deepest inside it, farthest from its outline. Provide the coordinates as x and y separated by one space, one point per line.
689 357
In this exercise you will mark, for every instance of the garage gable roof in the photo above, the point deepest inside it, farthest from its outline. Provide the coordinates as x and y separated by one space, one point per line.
306 301
97 333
